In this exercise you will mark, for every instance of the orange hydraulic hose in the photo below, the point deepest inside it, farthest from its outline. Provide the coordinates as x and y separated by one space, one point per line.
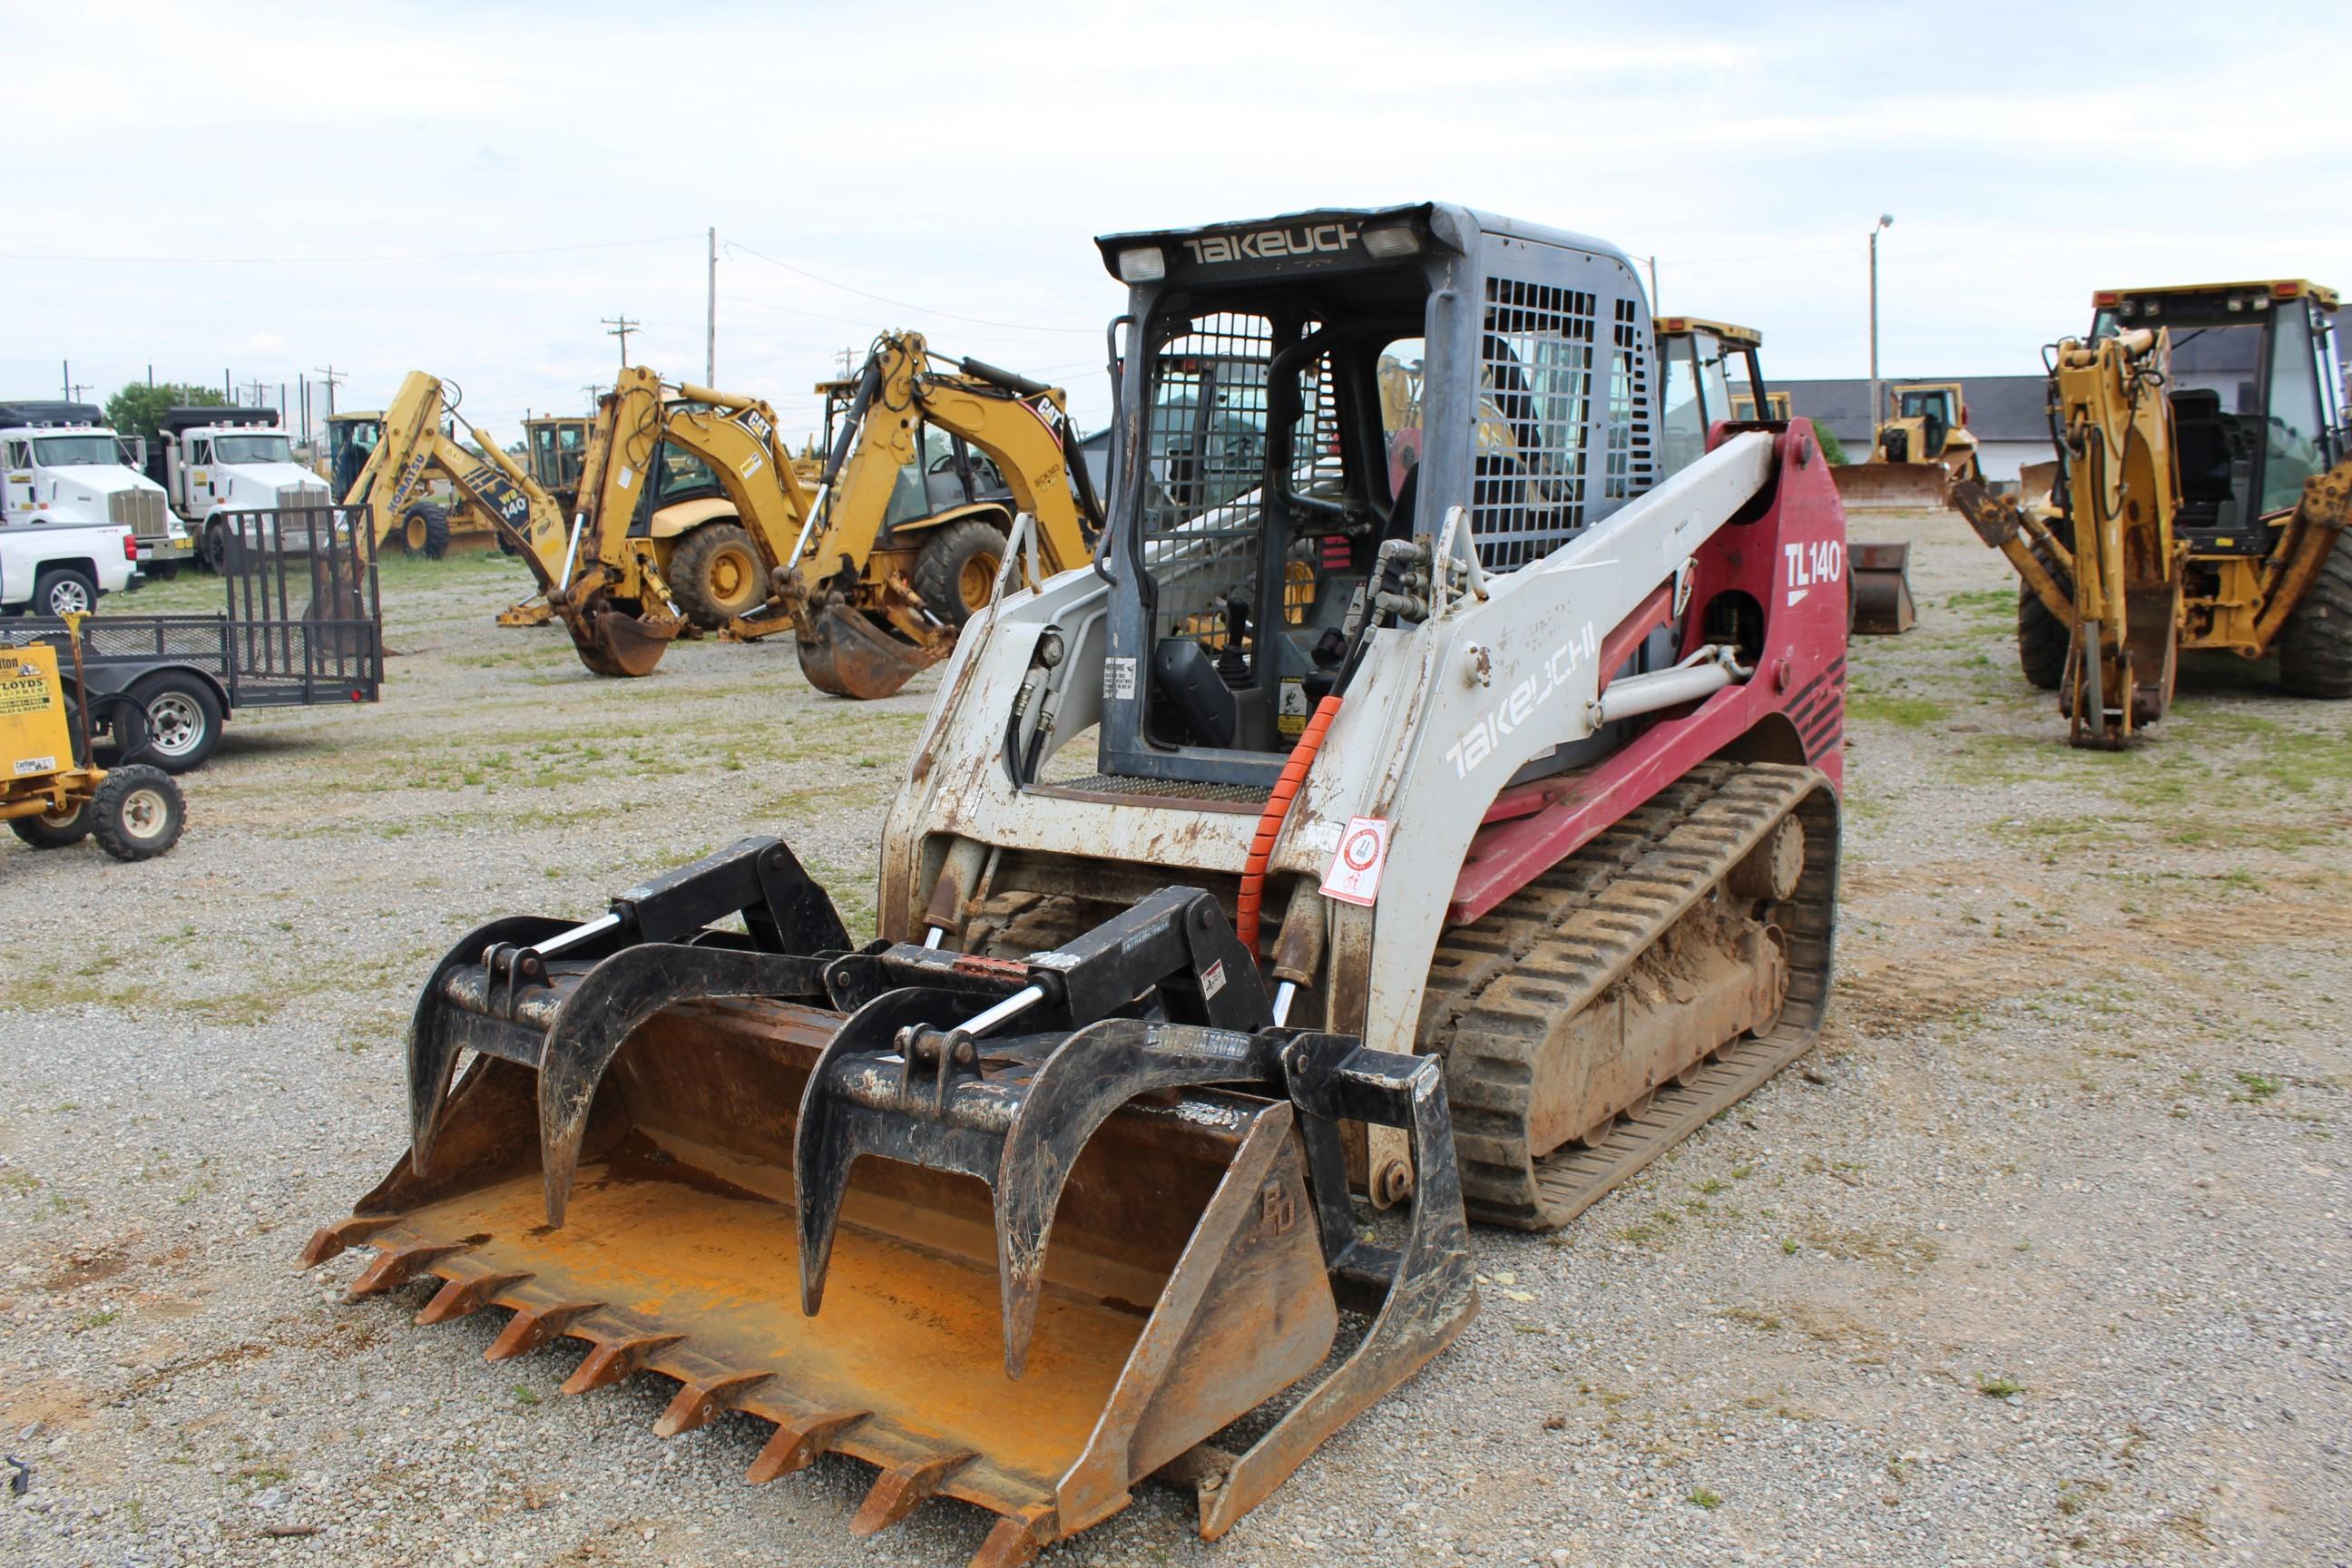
1269 821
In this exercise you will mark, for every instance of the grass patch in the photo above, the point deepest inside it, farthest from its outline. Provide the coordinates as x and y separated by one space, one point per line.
2254 1088
1909 713
1999 1387
1703 1497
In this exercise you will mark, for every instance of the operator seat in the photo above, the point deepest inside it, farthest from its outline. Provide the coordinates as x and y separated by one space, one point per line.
2200 447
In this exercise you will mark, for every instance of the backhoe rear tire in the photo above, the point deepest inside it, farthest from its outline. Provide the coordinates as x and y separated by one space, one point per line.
2315 645
716 573
956 570
425 531
2042 637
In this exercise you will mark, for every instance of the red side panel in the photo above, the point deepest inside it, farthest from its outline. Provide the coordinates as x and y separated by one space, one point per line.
1787 557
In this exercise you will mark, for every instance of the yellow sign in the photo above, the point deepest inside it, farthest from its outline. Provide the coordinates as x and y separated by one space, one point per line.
18 695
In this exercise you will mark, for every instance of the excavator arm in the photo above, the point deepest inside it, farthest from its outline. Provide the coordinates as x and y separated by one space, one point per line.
415 448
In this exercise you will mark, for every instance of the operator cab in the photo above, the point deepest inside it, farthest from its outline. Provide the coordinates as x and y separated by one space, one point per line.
1284 391
352 440
1938 411
1695 360
2256 400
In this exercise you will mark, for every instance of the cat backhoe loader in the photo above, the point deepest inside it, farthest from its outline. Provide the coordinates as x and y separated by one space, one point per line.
1920 450
2200 502
875 562
1434 851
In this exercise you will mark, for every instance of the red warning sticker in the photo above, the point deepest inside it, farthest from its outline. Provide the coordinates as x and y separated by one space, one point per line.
1355 874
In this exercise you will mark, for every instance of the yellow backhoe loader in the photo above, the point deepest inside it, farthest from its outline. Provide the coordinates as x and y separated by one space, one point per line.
1920 450
2199 502
1431 851
875 560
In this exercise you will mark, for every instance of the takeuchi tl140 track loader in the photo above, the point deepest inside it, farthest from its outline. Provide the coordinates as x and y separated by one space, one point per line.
1342 859
2204 487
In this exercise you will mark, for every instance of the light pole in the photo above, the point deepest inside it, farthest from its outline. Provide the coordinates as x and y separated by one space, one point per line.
1886 221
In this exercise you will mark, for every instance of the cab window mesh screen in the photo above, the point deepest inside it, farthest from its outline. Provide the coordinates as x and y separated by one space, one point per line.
1535 364
1632 464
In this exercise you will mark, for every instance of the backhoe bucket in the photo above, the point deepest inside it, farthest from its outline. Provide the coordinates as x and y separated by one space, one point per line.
1893 486
843 652
1020 1233
612 642
1879 587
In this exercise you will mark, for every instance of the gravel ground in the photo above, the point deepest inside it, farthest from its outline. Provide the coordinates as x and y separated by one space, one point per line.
2040 1259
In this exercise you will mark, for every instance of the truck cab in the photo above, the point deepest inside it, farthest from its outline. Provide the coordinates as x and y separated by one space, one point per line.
214 461
72 511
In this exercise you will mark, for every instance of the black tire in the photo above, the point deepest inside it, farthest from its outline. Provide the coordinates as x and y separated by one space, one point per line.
2042 637
952 566
54 833
62 589
118 723
138 813
424 524
717 575
2315 646
215 548
184 720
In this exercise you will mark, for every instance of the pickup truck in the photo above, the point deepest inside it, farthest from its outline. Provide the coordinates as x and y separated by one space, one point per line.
70 508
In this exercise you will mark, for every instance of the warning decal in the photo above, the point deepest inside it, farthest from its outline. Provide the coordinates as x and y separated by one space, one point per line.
1355 874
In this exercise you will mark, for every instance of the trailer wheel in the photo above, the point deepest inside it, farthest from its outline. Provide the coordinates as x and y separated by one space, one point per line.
717 574
2315 645
138 813
425 531
65 591
184 720
956 571
54 832
2042 637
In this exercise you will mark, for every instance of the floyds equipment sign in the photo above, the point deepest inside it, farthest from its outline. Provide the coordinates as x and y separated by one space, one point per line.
1308 239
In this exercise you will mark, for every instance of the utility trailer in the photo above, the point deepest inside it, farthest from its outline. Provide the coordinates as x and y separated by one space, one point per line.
301 623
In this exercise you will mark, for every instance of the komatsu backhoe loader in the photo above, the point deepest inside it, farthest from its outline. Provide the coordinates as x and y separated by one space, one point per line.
2200 502
1330 866
874 561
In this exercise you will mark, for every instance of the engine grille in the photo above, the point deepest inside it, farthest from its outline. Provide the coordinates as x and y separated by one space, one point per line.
1174 789
292 496
141 510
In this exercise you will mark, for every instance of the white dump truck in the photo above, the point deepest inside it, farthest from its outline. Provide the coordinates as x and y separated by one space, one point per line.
213 462
73 512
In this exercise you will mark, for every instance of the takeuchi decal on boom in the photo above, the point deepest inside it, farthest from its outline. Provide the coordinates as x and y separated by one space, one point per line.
1513 709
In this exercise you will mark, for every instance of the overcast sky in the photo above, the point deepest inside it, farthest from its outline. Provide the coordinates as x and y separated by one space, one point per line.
265 189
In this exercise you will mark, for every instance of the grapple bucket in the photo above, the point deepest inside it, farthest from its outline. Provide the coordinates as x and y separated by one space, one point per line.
842 651
1879 587
1021 1233
1893 486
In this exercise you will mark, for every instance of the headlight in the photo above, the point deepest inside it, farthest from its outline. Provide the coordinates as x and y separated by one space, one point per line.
1143 264
1391 242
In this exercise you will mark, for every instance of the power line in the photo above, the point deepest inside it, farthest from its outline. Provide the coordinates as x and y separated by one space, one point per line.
343 260
901 304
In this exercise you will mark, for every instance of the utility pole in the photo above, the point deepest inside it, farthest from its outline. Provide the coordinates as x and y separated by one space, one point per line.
594 392
849 359
64 376
1653 286
333 376
1886 221
257 389
620 327
710 317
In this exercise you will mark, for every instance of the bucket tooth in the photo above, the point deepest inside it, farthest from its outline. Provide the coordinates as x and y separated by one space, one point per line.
697 1404
463 1298
532 1327
897 1490
796 1444
329 1240
613 1360
398 1266
1014 1541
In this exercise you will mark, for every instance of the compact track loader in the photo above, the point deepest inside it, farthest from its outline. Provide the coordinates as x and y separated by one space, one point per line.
1342 859
2200 502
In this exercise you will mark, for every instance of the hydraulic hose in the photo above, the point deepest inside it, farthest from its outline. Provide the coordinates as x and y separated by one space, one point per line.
1270 820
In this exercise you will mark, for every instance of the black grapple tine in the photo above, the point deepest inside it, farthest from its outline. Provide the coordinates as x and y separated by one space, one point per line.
1072 1093
432 1044
596 1019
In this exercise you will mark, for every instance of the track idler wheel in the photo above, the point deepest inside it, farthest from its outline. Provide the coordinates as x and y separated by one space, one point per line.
846 654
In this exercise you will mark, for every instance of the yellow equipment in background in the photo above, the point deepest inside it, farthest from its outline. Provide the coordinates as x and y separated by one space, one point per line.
874 560
50 796
1920 450
2179 523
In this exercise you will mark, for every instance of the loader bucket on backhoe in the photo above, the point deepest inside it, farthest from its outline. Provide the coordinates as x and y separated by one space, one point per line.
1893 486
843 652
1105 1213
612 642
1878 584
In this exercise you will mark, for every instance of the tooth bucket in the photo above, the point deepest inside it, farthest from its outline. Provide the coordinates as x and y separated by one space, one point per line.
845 653
1029 1288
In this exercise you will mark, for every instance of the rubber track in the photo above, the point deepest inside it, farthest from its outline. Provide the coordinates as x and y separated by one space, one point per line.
1499 986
